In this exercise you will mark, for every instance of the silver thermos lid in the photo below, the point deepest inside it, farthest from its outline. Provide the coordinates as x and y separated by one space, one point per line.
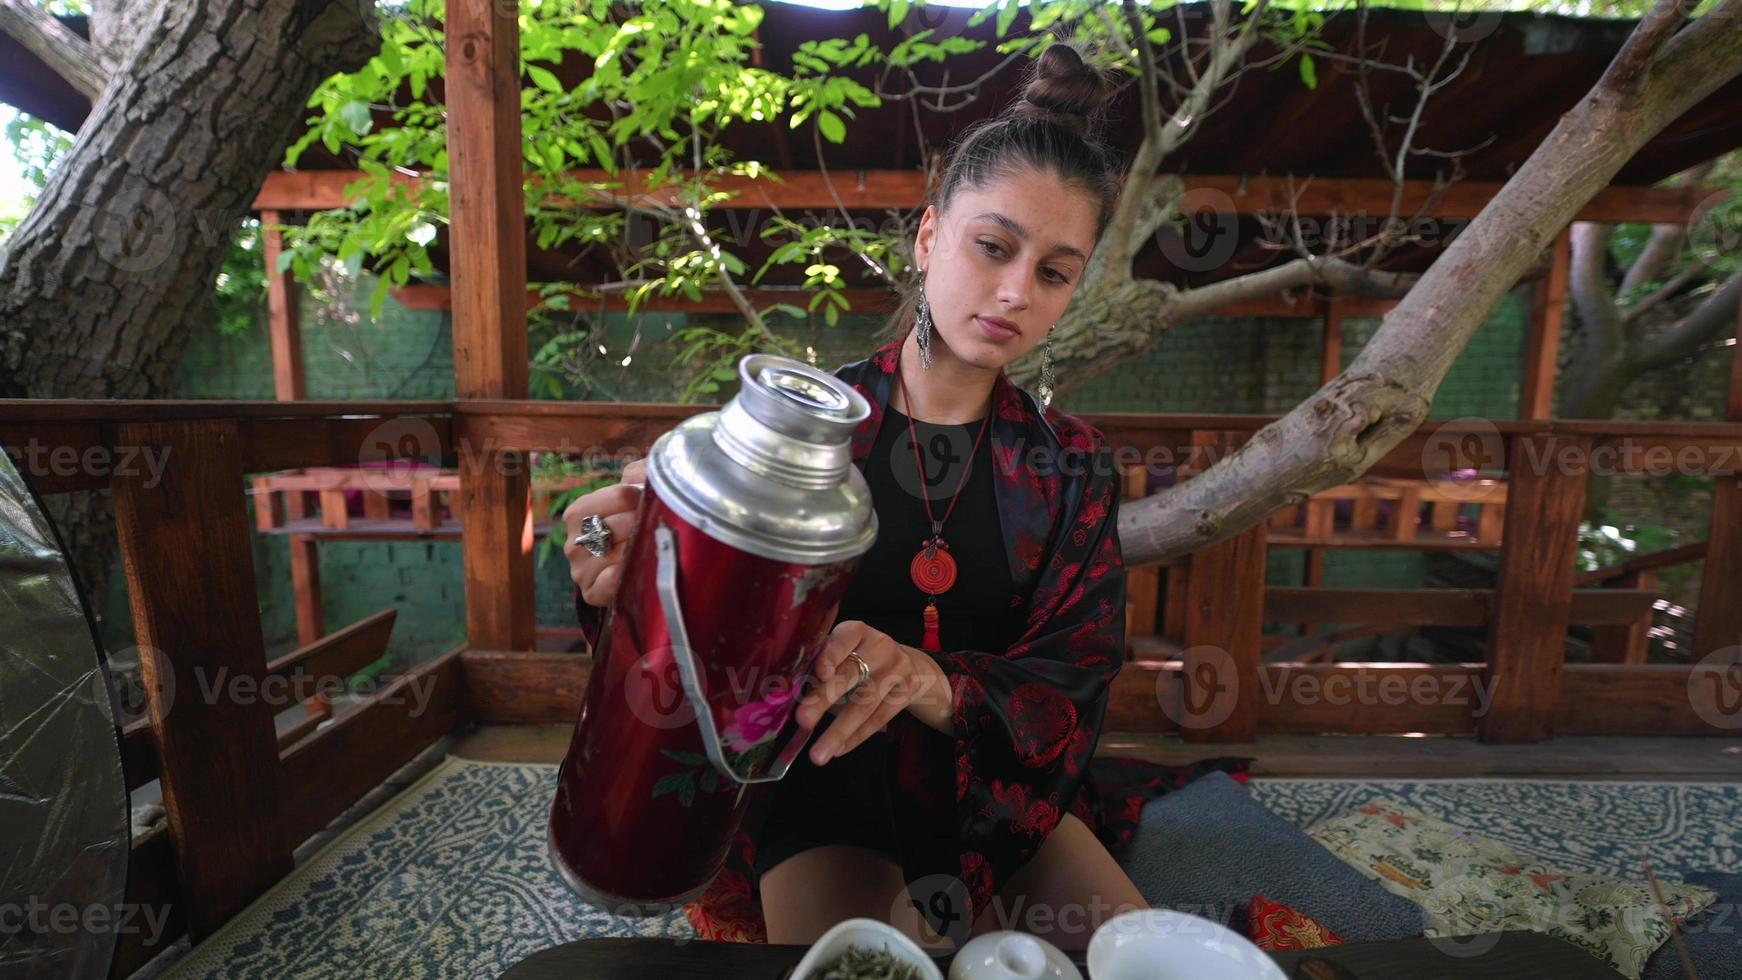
772 472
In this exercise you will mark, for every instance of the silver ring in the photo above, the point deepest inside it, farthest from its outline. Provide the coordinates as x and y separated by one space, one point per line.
594 536
864 671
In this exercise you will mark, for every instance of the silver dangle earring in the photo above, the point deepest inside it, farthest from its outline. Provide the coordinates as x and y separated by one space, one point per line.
922 329
1048 383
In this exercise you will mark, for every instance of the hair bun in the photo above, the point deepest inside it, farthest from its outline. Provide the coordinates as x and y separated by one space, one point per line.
1065 90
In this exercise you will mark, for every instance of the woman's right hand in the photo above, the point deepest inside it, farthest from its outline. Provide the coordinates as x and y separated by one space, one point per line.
597 577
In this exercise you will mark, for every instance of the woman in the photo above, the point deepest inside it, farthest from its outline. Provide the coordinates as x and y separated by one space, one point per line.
956 772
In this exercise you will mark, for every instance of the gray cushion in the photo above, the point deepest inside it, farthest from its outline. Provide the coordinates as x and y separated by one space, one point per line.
1209 846
1714 935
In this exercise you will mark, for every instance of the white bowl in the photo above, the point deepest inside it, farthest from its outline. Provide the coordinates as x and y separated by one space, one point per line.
1012 956
1161 944
869 933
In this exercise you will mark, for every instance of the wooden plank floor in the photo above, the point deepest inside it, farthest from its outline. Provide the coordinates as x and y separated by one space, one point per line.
1326 756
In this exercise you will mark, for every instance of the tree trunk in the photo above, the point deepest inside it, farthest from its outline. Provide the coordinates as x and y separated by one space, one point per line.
1666 66
112 271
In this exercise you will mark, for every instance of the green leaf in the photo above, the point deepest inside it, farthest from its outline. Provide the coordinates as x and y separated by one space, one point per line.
356 115
1309 75
834 130
544 79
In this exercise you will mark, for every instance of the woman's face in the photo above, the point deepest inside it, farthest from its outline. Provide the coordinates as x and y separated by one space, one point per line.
1013 251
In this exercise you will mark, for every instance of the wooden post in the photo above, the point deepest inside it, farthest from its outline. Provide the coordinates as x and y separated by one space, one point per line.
488 243
282 316
1542 348
1534 595
289 384
1718 624
1220 695
190 580
1628 643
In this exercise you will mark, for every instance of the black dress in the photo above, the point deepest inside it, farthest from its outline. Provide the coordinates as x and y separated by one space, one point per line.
848 800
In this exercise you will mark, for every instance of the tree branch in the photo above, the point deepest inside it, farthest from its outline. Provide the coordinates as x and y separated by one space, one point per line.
65 53
1338 274
1715 316
1364 413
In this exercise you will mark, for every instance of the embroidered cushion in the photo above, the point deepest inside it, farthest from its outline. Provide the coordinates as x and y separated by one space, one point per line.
1469 884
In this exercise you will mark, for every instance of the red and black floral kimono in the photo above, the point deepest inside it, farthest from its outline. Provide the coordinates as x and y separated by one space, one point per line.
1027 718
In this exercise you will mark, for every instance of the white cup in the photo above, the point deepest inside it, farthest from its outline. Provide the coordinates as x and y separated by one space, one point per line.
1161 944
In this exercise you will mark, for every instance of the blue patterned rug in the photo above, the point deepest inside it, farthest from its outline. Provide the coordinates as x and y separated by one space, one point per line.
451 878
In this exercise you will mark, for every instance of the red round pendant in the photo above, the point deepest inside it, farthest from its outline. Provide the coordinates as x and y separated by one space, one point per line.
933 570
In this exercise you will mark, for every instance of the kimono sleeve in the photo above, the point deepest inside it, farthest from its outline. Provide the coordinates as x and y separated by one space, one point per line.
1027 719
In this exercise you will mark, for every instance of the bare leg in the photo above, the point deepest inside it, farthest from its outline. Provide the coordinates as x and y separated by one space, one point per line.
1065 892
809 893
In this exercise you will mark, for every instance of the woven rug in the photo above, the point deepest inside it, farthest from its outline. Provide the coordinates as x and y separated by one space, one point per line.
451 877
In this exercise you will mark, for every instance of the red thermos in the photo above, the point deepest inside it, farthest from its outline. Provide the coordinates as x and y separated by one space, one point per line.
753 521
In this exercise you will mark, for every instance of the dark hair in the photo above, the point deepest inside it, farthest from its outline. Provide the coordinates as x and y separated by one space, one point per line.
1054 127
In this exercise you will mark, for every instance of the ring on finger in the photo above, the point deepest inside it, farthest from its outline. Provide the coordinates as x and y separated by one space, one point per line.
864 671
595 536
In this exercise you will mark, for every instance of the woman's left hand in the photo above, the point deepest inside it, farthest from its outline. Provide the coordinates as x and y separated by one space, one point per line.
902 678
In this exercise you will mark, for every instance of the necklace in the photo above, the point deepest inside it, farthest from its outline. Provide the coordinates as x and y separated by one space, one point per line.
933 568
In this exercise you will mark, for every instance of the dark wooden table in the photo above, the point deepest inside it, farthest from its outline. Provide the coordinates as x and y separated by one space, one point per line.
1501 956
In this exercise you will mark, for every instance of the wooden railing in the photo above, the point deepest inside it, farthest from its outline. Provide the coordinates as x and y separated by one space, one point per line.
240 797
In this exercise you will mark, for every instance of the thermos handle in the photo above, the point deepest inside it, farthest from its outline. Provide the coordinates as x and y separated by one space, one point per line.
666 579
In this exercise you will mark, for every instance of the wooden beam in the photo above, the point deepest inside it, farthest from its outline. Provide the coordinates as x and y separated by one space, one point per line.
1527 635
488 242
338 765
1636 699
1438 607
489 272
428 296
508 688
1718 621
283 318
1543 333
185 544
879 190
336 656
